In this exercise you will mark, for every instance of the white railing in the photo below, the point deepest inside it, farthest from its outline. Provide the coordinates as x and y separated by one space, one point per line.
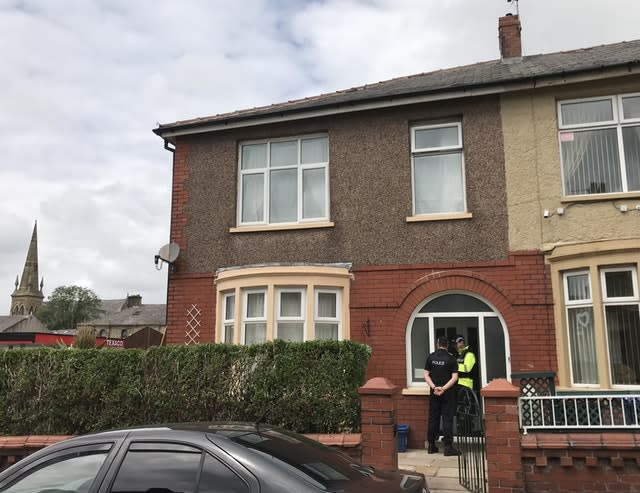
579 412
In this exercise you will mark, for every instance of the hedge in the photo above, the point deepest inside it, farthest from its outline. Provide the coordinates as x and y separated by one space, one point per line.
308 387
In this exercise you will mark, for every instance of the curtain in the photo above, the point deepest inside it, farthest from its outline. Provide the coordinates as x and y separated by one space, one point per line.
314 151
578 287
326 331
587 112
631 143
591 161
291 331
283 196
254 156
438 183
253 198
255 333
291 304
433 138
583 346
255 305
284 154
327 305
313 193
623 332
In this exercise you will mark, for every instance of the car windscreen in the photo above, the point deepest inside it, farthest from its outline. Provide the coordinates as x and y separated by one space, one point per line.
307 457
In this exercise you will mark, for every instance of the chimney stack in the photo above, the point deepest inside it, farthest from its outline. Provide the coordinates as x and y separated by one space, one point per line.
509 35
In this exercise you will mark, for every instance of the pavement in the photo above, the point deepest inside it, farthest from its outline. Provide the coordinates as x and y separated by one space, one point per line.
441 472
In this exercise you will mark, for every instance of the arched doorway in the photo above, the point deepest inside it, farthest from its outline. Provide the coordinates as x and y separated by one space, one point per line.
448 314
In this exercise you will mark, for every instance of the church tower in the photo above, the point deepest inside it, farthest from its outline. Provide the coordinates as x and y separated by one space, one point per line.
27 296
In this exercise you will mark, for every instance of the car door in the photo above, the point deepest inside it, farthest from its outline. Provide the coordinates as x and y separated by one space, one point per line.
163 466
78 469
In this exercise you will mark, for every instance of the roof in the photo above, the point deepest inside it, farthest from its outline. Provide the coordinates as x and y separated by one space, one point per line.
492 76
116 312
20 323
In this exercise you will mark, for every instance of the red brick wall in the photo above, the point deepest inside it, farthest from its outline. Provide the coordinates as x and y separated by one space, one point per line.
585 462
518 287
191 299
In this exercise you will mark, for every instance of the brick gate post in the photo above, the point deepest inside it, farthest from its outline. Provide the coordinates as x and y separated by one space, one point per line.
378 423
505 473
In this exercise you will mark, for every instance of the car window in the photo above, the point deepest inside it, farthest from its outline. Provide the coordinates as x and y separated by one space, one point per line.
218 478
305 457
161 467
64 474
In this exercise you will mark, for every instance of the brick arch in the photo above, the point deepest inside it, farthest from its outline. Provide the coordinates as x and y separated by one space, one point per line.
465 281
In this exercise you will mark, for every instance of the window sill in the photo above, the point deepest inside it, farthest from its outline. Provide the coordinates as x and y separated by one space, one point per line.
416 391
598 197
281 227
440 217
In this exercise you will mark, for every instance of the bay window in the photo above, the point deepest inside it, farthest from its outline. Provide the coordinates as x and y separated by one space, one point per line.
437 169
284 181
288 302
618 306
600 144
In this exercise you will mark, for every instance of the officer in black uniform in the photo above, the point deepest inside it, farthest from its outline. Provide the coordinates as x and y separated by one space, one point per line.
441 375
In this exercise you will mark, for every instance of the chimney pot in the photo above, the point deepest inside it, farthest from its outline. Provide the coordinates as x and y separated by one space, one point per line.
509 36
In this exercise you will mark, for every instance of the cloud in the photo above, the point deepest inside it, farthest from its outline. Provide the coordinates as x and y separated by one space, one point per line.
85 81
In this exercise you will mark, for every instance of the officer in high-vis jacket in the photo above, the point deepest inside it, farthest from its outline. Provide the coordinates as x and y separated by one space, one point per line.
466 363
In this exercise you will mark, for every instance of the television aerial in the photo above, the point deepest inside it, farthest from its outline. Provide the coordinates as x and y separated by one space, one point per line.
168 253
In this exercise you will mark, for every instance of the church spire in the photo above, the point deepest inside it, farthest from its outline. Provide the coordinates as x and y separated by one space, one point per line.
27 296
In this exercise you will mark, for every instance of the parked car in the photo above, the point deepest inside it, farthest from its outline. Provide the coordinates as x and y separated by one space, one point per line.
199 458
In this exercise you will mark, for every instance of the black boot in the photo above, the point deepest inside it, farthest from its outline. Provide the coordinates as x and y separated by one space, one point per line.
432 449
449 451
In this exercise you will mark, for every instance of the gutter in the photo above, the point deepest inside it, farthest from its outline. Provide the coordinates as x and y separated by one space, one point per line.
170 131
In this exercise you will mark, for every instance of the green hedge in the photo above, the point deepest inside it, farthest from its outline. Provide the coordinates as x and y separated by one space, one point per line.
308 387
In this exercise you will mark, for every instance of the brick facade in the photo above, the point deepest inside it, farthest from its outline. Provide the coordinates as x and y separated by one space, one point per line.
386 296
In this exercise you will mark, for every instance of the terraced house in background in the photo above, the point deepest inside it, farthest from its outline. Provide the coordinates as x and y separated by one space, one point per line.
499 200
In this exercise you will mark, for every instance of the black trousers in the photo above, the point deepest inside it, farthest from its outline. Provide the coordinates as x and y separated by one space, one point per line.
442 406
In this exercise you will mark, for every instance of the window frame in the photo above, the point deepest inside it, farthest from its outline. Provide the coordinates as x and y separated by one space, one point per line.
617 123
318 319
266 174
582 303
246 319
225 319
279 318
435 151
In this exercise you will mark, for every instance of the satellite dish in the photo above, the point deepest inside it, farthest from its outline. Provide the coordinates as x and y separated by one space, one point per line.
168 253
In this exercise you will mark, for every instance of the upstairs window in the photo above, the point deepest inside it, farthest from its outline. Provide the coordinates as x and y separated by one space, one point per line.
284 181
600 144
437 169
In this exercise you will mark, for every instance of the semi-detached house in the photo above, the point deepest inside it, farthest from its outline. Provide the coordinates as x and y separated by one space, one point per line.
484 200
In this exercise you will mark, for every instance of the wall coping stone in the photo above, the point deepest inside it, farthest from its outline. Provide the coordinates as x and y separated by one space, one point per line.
500 387
378 386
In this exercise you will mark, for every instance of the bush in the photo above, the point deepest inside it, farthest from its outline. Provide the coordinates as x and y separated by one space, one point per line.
308 387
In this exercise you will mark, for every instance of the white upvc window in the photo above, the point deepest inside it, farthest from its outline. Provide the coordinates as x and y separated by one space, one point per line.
228 317
437 169
254 316
581 330
622 319
600 144
290 314
284 181
327 324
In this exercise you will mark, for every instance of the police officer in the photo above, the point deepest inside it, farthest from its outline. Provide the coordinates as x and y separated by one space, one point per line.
466 362
441 374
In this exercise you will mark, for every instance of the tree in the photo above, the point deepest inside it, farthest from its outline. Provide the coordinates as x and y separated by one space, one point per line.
67 306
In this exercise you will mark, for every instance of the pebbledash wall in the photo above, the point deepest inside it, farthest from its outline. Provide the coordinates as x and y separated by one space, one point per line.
397 262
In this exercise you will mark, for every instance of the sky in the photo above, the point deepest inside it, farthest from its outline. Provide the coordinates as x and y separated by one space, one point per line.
84 82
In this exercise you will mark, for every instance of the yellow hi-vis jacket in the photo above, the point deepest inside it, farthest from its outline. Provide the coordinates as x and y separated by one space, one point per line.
466 362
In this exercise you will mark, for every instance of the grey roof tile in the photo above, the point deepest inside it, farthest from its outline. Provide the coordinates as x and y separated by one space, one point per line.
456 78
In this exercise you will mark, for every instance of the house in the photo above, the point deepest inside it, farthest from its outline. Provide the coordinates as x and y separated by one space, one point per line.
122 318
396 212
